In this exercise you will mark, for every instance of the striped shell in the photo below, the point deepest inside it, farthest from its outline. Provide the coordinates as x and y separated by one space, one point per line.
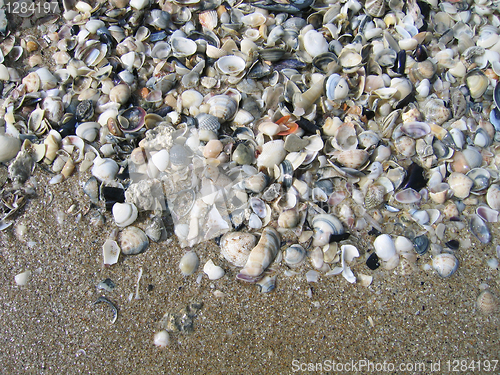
223 107
375 8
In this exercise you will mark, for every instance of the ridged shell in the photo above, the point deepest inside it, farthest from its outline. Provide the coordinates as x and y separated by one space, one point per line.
445 264
223 107
208 122
133 241
487 303
375 8
235 247
374 196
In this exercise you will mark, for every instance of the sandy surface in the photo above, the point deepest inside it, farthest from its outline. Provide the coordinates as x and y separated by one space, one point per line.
51 325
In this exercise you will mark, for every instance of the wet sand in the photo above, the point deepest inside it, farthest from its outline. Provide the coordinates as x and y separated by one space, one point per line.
51 325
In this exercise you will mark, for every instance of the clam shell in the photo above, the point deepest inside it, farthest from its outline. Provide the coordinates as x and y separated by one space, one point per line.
353 158
384 247
88 131
183 47
104 169
235 247
493 197
336 87
477 82
189 263
133 241
9 147
486 302
460 184
124 214
325 226
315 43
445 264
231 65
223 107
212 271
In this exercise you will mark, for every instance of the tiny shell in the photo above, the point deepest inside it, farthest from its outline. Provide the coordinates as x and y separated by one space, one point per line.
294 255
445 264
493 197
104 169
23 278
212 271
235 247
460 184
486 302
111 250
189 263
161 339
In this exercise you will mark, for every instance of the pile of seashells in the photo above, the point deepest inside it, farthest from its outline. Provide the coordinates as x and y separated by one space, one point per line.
332 128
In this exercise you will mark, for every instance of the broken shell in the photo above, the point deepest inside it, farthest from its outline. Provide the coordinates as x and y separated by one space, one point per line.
289 219
161 339
212 271
124 214
273 153
353 158
479 228
493 197
336 87
261 255
88 131
445 264
235 247
384 247
111 250
189 263
133 240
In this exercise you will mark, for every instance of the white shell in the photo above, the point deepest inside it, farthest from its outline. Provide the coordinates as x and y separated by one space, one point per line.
161 160
161 339
445 264
212 271
124 214
235 247
104 169
88 131
486 302
9 147
315 43
189 263
183 47
231 65
273 153
493 197
384 247
110 252
23 278
294 255
460 184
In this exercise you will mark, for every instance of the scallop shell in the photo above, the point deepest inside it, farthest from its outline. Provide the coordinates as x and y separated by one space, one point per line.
133 241
235 247
208 122
445 264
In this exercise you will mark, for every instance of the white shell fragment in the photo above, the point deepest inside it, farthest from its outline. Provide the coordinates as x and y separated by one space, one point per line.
23 278
124 214
110 252
161 339
212 271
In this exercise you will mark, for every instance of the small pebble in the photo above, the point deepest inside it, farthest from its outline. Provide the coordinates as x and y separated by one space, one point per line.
23 278
162 339
31 46
493 263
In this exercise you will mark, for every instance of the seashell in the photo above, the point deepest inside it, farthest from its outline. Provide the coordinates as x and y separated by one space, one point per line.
183 47
156 229
91 188
445 264
230 65
104 169
88 131
407 196
258 207
161 339
189 263
492 196
482 138
368 139
132 119
349 58
294 255
439 192
254 222
235 247
133 240
111 250
223 107
460 184
479 228
9 147
435 111
273 153
375 8
422 70
271 54
120 94
212 271
261 255
243 154
212 149
315 43
486 302
161 50
256 183
384 247
421 244
124 214
480 178
317 258
325 227
161 160
289 219
267 283
208 19
415 129
477 82
406 146
336 87
487 214
353 158
254 19
374 196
